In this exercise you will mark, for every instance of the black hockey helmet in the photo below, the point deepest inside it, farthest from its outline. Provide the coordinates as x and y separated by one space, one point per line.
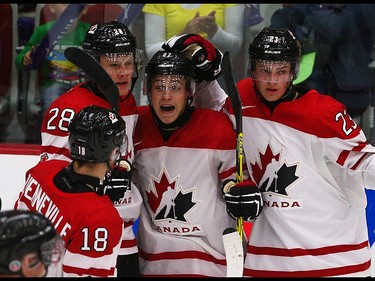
94 133
169 63
107 38
275 45
112 38
23 232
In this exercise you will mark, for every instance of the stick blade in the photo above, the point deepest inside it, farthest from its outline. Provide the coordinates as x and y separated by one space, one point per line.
234 252
96 72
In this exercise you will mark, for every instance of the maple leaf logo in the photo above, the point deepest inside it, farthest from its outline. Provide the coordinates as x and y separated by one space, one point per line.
271 175
166 202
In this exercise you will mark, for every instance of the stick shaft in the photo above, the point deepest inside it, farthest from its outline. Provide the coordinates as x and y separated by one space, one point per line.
237 109
96 73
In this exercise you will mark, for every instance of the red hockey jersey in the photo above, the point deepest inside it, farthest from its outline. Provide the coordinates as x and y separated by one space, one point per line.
89 224
55 145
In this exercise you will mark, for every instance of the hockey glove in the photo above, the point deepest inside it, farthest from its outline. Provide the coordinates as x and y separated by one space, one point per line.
117 182
206 57
243 199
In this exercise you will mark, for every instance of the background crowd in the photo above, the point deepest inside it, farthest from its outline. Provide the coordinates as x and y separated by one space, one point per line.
230 27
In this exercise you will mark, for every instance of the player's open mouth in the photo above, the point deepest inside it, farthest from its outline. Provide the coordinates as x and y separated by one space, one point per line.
167 108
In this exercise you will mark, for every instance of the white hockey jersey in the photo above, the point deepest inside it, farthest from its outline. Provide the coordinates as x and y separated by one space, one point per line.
184 213
312 163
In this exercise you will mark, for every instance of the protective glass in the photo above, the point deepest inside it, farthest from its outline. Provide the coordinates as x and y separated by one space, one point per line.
124 146
123 63
121 149
162 85
51 255
272 71
120 138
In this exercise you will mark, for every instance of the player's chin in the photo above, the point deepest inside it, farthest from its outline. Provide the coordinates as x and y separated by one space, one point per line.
123 90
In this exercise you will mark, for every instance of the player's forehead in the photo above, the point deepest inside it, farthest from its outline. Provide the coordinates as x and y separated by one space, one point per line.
119 57
268 64
169 79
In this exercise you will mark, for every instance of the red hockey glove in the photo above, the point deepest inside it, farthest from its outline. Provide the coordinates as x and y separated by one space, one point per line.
205 56
117 182
243 199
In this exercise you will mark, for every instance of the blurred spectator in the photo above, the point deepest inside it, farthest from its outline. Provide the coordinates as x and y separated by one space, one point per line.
25 8
26 27
58 75
252 15
222 24
369 11
343 45
312 68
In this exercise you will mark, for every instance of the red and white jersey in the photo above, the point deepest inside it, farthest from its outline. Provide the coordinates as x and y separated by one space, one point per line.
55 145
184 213
312 163
54 130
89 224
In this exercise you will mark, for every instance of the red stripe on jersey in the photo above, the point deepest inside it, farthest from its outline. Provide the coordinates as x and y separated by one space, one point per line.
181 255
310 273
128 243
56 150
91 271
227 173
271 251
359 161
345 153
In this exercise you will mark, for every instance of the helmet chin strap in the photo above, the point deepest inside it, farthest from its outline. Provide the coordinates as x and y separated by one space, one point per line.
287 96
288 92
134 80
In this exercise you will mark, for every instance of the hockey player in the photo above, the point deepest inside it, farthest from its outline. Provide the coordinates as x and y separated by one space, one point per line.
115 48
183 155
78 196
29 245
313 223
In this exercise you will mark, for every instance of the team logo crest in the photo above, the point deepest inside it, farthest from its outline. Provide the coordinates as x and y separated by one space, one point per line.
272 174
167 200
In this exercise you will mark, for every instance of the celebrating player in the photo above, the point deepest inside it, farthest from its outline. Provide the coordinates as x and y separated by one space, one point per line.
311 161
115 48
183 155
78 196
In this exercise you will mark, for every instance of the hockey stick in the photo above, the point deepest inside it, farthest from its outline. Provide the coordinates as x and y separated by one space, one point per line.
59 28
234 252
235 100
129 13
96 72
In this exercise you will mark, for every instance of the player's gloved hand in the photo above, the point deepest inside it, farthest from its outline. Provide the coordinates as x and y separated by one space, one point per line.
117 182
243 199
205 56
